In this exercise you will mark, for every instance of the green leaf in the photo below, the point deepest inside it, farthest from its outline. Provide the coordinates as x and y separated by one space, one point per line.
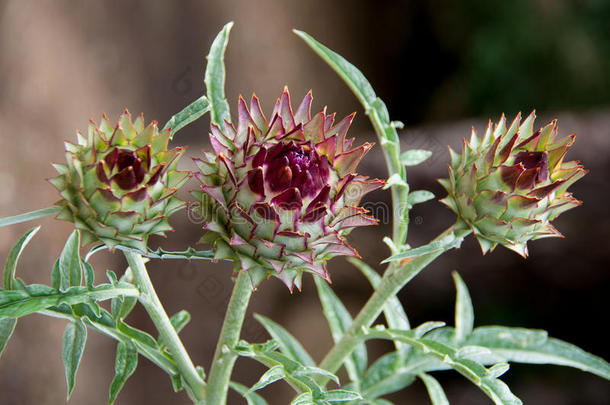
289 345
393 310
136 334
89 274
482 377
445 243
7 326
121 306
348 72
177 382
106 325
180 319
251 397
215 75
339 320
190 113
435 391
13 257
419 196
414 157
340 395
533 346
70 269
464 313
37 297
75 336
395 180
272 375
385 376
124 366
296 374
309 370
29 216
305 398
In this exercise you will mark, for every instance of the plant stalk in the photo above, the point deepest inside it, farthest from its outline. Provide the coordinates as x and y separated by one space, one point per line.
152 304
224 358
394 279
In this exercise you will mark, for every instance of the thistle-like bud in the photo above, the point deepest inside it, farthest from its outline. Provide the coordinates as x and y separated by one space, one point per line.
511 184
278 196
119 183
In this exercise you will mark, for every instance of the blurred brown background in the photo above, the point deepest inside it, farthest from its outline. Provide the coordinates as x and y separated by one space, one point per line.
440 68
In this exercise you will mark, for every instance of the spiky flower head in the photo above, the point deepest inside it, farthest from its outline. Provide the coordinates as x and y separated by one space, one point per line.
119 183
278 196
509 185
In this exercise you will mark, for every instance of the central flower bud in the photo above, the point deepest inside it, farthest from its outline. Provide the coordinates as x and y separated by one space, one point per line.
289 165
537 162
274 191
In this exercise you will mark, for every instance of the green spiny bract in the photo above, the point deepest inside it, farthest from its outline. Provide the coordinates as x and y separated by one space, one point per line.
511 184
119 183
278 196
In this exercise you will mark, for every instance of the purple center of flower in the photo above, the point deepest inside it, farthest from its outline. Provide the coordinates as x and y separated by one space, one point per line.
537 161
293 166
130 171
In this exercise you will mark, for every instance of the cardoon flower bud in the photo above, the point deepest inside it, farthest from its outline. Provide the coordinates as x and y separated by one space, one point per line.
278 196
511 184
119 183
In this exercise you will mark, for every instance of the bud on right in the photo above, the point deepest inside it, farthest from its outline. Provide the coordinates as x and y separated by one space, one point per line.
511 184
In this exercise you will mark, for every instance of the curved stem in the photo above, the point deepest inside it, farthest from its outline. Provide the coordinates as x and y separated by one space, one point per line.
394 279
152 304
224 358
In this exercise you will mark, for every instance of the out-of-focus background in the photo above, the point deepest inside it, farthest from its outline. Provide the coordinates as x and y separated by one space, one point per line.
440 68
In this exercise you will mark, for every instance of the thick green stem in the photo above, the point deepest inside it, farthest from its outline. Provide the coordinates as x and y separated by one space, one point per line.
152 304
224 358
394 279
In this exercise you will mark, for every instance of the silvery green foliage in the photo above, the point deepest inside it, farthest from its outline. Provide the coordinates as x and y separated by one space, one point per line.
481 354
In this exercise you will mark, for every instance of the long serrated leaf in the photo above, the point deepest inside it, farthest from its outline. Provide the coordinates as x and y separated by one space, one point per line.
339 320
464 312
7 326
13 257
414 157
106 325
297 375
289 345
124 366
393 310
70 269
190 113
251 397
37 297
533 346
272 375
215 75
348 72
29 216
435 391
494 388
74 338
